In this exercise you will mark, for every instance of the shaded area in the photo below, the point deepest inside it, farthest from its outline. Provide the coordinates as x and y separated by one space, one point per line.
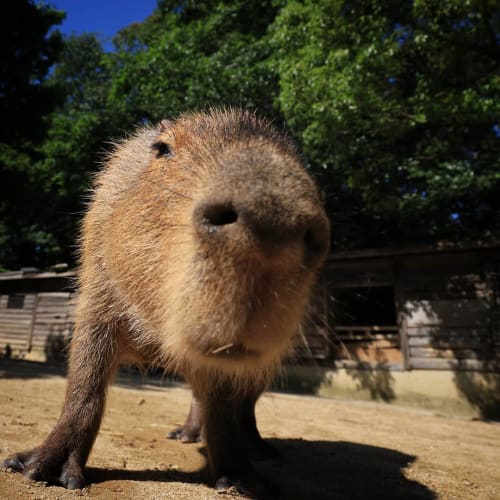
128 376
482 390
21 369
326 470
96 475
309 469
378 380
56 348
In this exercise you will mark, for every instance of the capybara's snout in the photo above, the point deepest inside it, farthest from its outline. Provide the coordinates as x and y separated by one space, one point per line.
260 223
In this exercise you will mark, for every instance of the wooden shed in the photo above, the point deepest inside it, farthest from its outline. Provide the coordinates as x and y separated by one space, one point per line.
414 308
402 309
36 311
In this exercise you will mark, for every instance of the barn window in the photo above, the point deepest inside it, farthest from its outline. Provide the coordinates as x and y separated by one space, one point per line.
364 306
15 301
364 325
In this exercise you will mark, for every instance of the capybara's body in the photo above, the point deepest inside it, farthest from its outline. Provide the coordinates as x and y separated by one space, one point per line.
198 250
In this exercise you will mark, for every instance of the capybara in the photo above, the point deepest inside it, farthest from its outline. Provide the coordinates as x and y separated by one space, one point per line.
197 254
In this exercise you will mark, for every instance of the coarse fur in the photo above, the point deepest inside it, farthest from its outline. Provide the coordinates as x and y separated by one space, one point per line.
198 251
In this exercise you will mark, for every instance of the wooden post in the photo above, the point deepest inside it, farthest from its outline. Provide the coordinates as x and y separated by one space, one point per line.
32 324
401 318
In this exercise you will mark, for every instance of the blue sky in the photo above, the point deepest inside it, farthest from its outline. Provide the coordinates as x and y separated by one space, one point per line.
105 17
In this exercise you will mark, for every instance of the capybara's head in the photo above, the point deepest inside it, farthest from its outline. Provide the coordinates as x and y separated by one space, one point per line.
212 238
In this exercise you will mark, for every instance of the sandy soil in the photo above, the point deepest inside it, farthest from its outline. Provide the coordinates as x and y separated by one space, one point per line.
330 449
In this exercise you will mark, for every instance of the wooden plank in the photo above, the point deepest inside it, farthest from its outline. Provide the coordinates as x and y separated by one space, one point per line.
51 320
13 335
354 364
462 342
27 304
54 295
444 331
16 313
14 341
52 308
370 328
43 334
14 329
9 335
429 352
7 314
369 354
366 333
22 320
21 345
33 319
447 364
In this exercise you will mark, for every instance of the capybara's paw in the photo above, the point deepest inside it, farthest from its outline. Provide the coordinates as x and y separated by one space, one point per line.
185 434
249 484
38 465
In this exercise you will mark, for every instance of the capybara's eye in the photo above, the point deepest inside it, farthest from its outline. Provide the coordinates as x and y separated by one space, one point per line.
162 149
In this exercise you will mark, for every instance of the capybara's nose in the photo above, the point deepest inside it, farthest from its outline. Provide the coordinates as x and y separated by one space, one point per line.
270 225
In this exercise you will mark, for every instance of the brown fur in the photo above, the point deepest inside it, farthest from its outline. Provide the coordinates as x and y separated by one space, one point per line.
165 281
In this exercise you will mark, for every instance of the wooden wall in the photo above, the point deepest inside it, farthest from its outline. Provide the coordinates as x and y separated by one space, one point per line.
16 324
448 311
54 317
43 314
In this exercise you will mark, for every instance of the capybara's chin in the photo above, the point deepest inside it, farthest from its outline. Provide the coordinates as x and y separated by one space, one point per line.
252 317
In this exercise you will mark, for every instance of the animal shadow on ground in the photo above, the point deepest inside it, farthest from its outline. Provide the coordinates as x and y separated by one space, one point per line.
95 475
318 470
342 470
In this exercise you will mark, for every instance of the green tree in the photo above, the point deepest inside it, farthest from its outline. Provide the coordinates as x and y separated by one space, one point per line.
78 133
193 54
396 105
29 48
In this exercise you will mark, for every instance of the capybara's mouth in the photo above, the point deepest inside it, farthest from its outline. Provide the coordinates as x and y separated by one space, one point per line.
232 351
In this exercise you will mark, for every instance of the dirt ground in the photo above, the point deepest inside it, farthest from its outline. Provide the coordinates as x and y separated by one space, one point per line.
329 449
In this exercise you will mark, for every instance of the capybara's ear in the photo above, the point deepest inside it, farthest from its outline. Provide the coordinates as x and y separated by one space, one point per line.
165 125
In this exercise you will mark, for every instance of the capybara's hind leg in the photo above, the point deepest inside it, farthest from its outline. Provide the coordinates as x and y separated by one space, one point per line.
191 431
62 457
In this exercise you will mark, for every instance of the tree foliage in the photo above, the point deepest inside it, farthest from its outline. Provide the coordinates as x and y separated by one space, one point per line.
29 49
194 54
394 104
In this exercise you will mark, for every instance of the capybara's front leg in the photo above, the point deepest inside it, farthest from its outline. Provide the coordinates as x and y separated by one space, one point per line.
62 457
227 445
258 448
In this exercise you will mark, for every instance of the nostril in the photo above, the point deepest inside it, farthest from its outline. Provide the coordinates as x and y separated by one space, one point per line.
219 215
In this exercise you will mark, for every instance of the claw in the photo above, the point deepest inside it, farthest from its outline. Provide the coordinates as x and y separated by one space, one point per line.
185 435
73 482
13 463
252 486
